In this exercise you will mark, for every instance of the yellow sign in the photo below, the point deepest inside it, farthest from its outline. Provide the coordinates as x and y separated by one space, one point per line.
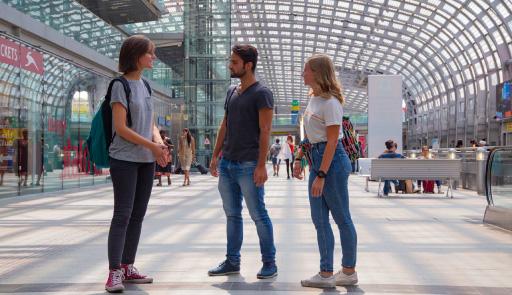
295 108
508 127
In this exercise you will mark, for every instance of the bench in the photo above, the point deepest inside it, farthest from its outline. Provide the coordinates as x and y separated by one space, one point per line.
416 169
364 169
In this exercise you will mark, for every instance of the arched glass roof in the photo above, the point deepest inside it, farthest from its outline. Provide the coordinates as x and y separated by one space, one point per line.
446 50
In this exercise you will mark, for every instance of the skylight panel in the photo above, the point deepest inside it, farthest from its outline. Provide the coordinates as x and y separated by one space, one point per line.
373 10
297 8
284 8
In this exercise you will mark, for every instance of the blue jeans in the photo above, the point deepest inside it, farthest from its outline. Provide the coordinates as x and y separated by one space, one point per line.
236 180
387 185
335 200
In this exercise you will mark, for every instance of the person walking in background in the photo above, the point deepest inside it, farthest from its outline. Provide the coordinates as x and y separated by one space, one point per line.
167 169
301 157
186 151
328 179
390 153
243 138
287 156
21 157
275 150
133 152
289 141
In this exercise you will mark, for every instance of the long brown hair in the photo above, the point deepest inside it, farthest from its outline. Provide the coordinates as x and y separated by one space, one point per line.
325 77
189 137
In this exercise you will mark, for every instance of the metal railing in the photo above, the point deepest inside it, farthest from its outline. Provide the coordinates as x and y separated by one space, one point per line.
473 164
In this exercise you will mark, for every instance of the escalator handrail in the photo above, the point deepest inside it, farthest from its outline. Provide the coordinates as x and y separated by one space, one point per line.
488 171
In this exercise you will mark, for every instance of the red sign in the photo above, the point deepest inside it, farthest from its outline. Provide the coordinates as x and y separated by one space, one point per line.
21 56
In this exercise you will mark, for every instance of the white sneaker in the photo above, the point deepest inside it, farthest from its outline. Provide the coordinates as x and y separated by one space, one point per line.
345 280
317 281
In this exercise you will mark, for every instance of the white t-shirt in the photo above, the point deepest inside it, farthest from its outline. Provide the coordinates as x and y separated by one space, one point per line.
320 113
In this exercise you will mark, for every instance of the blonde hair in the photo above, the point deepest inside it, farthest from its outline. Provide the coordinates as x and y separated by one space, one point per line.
325 77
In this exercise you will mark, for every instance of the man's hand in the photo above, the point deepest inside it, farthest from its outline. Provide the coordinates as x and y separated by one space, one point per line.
260 175
213 167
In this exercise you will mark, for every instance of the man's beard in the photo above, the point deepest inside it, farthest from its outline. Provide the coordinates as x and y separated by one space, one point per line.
238 75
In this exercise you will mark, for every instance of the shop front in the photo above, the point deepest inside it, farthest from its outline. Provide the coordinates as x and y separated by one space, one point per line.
46 105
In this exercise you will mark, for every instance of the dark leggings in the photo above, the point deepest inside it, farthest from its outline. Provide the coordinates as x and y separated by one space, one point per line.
289 167
132 188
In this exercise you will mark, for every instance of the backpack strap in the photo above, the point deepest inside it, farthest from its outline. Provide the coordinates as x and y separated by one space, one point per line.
128 93
147 86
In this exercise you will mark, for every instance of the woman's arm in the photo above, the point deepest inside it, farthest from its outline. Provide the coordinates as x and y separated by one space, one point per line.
119 118
332 140
156 135
333 132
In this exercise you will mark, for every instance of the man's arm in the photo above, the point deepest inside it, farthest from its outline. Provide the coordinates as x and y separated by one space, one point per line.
221 135
265 123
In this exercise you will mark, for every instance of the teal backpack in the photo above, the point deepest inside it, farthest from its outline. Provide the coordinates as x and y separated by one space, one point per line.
100 137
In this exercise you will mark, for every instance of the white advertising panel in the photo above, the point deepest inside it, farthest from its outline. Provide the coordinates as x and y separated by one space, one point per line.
384 112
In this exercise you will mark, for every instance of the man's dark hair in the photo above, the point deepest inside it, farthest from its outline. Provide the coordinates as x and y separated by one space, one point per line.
132 49
277 140
390 144
247 53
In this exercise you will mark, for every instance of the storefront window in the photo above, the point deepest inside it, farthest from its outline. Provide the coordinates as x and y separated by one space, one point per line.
46 107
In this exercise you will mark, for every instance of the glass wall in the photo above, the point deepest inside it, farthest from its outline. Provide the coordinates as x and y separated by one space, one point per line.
45 115
207 49
75 21
46 108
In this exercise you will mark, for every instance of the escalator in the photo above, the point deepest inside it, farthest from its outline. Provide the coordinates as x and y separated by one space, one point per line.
498 188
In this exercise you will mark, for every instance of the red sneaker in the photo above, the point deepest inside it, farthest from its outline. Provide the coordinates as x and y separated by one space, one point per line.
132 275
115 281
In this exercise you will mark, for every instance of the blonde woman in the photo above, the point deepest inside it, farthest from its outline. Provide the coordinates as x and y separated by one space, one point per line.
328 179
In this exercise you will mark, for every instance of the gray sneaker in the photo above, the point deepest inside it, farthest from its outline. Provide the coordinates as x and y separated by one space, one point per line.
345 280
317 281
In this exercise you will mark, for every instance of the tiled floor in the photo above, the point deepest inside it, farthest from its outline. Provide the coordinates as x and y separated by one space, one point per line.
412 244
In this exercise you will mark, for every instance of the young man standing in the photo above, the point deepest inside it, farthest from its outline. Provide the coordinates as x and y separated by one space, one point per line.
243 138
275 149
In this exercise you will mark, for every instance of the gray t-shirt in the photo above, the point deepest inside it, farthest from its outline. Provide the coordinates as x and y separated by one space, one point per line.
242 142
275 149
141 108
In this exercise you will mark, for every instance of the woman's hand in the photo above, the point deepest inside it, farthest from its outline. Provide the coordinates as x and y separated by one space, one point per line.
160 152
297 170
318 187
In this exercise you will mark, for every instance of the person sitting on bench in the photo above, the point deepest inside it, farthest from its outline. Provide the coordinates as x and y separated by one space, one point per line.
426 155
390 153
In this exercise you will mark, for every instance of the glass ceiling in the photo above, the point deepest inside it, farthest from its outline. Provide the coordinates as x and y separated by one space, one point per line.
446 50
